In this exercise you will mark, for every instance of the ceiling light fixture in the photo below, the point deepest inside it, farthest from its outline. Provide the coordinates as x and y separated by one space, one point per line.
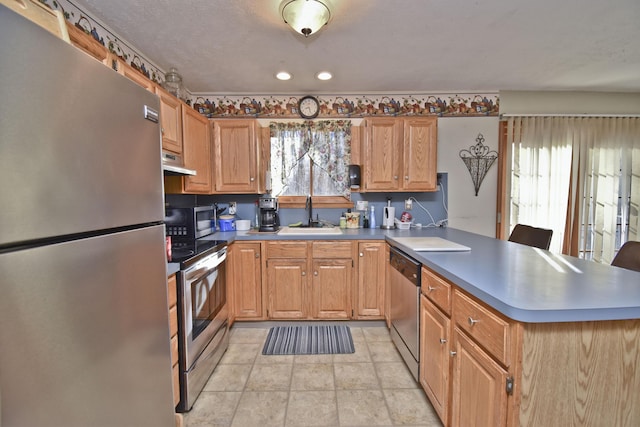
283 75
306 16
323 75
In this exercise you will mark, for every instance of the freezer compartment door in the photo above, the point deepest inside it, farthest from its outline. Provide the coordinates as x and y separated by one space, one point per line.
85 333
77 152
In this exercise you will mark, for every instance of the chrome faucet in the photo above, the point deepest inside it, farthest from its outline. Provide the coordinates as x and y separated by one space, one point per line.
309 207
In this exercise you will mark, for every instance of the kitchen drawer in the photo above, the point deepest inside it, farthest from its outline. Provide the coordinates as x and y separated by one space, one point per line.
295 249
172 290
332 249
489 330
173 320
437 290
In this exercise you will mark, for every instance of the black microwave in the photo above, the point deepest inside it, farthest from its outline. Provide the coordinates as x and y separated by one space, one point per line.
190 223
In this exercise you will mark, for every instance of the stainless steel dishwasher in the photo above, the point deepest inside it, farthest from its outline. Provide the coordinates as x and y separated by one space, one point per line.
405 306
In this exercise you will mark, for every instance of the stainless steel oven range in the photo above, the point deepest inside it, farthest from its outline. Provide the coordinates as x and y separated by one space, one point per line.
203 330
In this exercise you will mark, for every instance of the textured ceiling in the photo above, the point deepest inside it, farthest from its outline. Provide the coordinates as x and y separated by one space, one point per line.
395 46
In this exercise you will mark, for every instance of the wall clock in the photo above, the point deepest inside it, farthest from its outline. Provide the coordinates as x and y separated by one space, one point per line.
309 107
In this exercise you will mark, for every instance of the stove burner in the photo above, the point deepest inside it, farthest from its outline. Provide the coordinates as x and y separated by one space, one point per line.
178 253
183 251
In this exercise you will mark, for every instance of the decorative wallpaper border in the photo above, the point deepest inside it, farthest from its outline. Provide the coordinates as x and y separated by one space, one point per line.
83 20
351 105
286 106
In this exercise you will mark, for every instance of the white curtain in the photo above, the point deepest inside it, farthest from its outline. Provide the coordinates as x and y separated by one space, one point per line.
541 166
608 148
586 169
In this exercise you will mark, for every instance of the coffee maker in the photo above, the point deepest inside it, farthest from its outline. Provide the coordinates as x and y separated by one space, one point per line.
268 216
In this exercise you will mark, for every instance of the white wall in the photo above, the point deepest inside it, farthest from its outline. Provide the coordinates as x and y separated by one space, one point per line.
466 211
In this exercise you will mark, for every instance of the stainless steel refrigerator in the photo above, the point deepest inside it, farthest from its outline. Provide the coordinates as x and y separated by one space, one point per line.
84 330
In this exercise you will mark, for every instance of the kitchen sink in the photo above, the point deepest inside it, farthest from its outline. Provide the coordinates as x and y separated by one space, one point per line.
306 231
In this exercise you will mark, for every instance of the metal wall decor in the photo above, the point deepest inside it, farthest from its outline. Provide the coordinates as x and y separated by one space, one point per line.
478 159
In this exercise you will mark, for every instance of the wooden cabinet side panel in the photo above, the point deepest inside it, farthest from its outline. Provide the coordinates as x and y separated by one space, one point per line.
420 154
585 373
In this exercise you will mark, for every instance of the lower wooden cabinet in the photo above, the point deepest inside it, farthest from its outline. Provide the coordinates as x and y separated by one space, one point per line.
244 274
435 356
172 292
370 291
309 279
287 288
331 289
479 396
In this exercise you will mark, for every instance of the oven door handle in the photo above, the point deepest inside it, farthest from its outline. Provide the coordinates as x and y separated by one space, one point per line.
208 263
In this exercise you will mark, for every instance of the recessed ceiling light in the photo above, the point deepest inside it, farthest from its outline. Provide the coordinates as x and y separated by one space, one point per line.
324 75
283 75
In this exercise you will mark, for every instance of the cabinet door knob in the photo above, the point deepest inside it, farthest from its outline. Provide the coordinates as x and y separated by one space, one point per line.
452 353
361 254
406 177
315 273
472 321
304 273
252 179
431 288
395 177
257 255
443 341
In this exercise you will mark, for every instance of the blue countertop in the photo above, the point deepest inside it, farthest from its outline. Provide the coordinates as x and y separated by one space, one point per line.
524 283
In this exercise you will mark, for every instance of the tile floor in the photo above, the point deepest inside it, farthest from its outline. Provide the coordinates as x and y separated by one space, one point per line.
371 387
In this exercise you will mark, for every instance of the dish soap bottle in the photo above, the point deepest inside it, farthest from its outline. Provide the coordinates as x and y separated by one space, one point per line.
372 217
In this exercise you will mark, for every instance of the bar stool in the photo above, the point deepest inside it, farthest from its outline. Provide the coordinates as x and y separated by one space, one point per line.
628 256
531 236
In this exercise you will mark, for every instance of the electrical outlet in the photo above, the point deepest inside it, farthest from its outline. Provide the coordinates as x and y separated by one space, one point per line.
408 204
232 208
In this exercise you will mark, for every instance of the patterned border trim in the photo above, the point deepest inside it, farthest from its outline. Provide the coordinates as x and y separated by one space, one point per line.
351 106
331 106
84 21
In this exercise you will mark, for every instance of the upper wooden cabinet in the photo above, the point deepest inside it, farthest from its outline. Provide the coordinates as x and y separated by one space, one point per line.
170 121
131 73
400 154
87 44
196 152
236 156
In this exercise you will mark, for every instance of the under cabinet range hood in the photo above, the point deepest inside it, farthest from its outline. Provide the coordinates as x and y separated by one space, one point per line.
172 164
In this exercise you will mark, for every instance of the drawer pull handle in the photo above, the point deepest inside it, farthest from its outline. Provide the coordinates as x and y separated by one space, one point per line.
472 321
453 353
443 341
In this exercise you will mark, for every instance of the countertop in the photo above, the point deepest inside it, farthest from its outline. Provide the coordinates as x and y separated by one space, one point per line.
524 283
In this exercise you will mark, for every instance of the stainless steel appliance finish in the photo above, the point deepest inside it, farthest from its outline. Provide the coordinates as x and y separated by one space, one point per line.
405 307
85 328
269 220
203 326
190 223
